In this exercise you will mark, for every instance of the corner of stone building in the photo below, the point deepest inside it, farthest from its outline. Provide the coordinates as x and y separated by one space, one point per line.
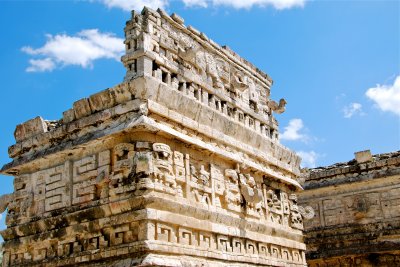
179 165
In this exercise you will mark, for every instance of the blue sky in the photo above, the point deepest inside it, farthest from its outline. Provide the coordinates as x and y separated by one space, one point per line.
337 63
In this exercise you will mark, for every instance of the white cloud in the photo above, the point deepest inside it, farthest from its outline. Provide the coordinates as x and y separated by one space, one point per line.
40 65
84 48
278 4
200 3
129 5
386 97
308 159
352 109
292 131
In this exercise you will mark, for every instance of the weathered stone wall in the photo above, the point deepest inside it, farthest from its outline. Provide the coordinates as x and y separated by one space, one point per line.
1 254
177 166
357 212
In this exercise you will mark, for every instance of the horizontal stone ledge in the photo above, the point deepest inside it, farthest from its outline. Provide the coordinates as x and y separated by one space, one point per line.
244 145
43 156
352 250
347 181
231 257
141 208
182 260
168 254
41 141
140 122
226 154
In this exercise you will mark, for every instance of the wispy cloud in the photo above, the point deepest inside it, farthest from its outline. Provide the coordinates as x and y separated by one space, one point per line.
278 4
293 132
199 3
386 97
81 50
41 65
352 109
309 158
129 5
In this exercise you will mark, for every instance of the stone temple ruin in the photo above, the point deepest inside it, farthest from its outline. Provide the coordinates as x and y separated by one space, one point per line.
179 165
357 212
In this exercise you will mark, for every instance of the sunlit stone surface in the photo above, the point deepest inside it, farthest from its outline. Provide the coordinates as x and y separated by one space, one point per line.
179 165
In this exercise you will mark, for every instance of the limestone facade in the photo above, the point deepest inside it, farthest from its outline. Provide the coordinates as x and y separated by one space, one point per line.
1 254
357 212
179 165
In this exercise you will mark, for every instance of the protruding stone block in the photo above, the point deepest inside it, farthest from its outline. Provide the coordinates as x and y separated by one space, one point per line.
121 93
101 101
82 108
177 18
30 128
363 156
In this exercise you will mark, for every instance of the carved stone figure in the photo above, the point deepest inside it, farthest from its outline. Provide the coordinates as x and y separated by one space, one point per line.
277 108
274 204
250 192
120 178
223 70
296 220
203 62
163 164
123 158
190 56
204 176
307 212
239 81
232 195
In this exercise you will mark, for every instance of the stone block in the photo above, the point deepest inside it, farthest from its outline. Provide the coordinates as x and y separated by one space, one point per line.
121 93
30 128
157 108
194 30
363 156
68 115
102 100
177 18
82 108
126 107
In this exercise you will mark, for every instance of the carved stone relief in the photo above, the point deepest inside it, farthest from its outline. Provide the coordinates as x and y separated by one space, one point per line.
132 168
